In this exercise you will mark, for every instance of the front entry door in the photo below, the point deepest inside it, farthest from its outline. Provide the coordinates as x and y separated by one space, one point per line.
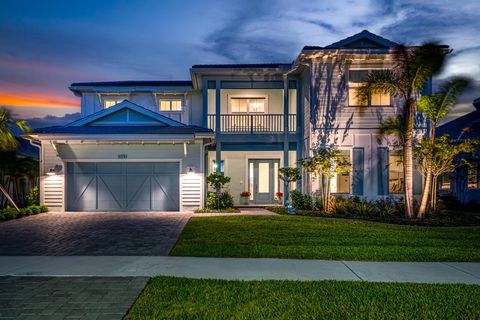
264 180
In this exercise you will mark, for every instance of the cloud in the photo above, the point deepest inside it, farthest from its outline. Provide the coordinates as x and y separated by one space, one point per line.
50 121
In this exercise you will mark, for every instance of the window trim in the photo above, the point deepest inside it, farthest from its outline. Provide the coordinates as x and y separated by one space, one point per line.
246 96
182 107
369 105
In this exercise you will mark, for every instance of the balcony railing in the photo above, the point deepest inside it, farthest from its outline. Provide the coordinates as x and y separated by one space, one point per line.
253 123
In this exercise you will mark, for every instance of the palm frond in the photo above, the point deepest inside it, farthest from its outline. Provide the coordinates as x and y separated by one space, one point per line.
378 81
425 61
396 126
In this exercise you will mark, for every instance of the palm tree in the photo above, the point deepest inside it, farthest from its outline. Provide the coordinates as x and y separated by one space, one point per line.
8 140
436 107
412 69
7 125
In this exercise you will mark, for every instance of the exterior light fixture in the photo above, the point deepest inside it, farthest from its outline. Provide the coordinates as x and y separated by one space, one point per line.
55 170
190 170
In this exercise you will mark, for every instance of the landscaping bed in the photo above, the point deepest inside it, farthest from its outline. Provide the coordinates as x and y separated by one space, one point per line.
300 237
446 218
227 210
12 213
180 298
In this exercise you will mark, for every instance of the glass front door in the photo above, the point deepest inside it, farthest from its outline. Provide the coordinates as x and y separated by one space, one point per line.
263 180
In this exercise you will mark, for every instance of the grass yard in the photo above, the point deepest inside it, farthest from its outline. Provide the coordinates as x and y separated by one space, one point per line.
325 238
180 298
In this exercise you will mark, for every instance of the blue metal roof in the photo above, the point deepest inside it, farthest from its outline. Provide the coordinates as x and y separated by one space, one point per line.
464 127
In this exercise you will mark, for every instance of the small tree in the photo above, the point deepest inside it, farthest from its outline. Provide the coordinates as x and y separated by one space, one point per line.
324 164
441 156
217 182
289 175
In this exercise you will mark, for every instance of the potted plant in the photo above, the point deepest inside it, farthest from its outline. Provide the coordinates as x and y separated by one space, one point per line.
244 196
279 196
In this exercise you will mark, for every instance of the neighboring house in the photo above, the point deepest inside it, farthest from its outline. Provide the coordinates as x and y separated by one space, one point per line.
148 145
464 183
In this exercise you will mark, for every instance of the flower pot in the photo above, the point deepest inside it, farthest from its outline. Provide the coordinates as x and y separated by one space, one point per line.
244 200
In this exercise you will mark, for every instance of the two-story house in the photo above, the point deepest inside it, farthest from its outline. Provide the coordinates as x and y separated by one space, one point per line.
148 145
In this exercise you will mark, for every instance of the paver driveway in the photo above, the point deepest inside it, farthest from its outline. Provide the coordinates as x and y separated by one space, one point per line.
92 234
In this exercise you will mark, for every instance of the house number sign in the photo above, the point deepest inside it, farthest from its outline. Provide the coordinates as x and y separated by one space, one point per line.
122 156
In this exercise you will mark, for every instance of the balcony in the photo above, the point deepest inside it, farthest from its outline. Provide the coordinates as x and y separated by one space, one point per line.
253 123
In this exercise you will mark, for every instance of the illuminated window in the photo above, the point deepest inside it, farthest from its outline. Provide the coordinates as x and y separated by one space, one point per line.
396 182
248 105
222 166
472 179
356 80
170 105
445 181
111 101
340 183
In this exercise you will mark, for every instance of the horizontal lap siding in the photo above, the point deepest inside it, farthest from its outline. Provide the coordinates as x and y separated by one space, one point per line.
51 187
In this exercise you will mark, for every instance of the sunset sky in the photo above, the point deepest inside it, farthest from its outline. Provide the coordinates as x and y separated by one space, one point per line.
46 45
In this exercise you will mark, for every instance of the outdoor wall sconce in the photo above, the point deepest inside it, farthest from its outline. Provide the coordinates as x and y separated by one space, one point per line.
190 170
55 170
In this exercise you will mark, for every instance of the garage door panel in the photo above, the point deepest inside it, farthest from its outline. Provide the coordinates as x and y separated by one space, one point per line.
138 192
110 192
118 186
165 192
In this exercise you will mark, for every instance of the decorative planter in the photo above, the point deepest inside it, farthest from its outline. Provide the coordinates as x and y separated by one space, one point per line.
244 200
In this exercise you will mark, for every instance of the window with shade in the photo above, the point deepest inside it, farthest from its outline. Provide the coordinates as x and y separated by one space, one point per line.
355 80
112 100
396 182
170 105
248 105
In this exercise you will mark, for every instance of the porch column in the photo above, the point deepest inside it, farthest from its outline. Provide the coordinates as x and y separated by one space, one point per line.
285 135
218 144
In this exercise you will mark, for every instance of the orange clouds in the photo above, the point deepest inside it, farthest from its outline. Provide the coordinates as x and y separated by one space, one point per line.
36 99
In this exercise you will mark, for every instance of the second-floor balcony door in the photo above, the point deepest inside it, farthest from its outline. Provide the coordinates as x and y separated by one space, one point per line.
264 183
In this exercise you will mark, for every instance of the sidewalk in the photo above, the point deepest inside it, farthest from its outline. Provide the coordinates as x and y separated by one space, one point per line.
240 268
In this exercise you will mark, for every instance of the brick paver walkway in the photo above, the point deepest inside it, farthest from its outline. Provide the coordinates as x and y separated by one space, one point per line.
92 234
67 298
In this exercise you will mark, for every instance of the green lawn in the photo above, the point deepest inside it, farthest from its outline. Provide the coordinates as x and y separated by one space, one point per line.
325 238
180 298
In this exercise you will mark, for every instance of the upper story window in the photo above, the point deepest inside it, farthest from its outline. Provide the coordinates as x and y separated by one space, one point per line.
110 101
355 80
170 105
445 181
248 105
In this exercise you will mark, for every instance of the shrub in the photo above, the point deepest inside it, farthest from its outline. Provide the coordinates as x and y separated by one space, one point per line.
297 199
385 207
43 209
213 202
35 209
10 213
28 210
33 197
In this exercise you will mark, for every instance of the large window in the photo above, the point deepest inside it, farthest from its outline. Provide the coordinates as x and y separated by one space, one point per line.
355 80
170 105
396 182
248 105
472 179
340 183
110 101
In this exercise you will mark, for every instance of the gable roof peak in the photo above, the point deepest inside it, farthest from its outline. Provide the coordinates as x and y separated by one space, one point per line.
362 40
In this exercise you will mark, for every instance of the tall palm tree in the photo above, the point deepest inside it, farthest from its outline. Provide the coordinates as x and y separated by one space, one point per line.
436 107
8 140
7 125
412 69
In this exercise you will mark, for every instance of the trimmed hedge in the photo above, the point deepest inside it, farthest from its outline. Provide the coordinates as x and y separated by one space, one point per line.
12 213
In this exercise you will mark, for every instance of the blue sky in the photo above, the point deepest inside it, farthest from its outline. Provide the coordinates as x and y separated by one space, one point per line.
46 45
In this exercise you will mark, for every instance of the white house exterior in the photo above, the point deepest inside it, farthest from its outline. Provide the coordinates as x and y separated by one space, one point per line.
148 145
